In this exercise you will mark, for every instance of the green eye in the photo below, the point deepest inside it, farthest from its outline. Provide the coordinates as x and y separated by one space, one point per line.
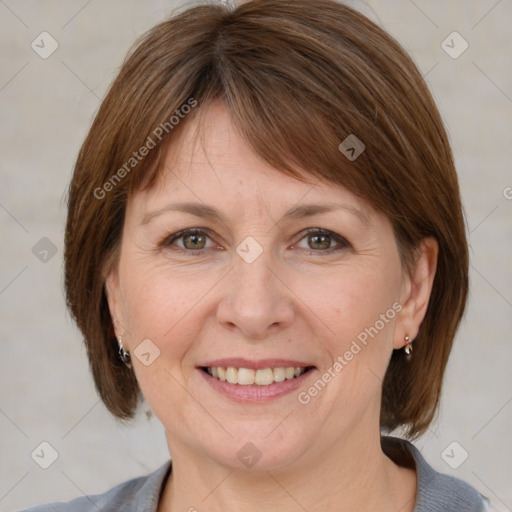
318 240
193 239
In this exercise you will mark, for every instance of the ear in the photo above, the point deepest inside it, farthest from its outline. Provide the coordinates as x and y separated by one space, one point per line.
113 297
416 290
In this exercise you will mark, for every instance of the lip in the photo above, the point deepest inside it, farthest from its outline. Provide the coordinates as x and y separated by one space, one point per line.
254 393
240 362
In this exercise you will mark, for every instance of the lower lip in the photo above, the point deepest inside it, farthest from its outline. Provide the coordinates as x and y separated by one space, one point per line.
254 393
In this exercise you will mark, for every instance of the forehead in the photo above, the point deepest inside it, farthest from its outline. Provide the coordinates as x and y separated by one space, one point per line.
211 163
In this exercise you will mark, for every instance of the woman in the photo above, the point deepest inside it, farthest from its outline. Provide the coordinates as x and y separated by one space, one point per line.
265 240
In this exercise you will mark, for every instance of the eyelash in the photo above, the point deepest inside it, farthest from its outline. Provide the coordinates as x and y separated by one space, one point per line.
344 244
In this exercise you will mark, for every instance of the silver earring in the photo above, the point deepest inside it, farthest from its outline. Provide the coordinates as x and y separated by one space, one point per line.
123 354
408 347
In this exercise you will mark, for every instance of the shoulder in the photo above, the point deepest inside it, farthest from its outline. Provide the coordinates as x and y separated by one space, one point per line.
137 494
438 491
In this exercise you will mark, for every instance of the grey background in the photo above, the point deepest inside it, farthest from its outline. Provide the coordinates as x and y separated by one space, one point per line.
47 105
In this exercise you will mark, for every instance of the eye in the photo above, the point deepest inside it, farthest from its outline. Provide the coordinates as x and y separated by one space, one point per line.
319 240
192 239
195 240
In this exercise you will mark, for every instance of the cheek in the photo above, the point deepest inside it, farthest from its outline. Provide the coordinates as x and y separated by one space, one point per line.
147 306
153 299
360 310
355 307
350 302
157 310
169 310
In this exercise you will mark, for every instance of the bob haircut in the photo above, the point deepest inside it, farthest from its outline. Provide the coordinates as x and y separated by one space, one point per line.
298 78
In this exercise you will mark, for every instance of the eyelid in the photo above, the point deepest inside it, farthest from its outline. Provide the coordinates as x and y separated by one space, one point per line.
170 239
320 231
342 241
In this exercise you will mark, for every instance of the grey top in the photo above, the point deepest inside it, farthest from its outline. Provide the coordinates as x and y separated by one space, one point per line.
437 492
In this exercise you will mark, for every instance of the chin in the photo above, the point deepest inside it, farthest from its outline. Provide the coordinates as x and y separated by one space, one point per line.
260 447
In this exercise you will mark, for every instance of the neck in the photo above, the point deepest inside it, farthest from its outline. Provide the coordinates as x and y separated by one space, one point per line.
353 474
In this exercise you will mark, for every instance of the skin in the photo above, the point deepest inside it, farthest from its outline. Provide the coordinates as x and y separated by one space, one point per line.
294 301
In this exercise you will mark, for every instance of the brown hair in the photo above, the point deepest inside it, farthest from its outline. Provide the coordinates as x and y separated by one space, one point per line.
298 77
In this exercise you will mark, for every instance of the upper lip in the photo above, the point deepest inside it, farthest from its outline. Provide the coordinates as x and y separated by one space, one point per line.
240 362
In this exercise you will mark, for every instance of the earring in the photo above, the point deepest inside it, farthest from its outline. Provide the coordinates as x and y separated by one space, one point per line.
408 347
123 354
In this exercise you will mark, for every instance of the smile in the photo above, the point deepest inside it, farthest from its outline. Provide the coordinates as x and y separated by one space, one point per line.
249 376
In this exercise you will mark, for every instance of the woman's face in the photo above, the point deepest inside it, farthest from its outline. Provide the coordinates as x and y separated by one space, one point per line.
253 289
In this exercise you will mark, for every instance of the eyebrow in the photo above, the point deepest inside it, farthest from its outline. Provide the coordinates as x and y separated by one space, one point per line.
297 213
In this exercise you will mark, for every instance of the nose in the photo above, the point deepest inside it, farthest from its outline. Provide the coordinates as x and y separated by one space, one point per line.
257 301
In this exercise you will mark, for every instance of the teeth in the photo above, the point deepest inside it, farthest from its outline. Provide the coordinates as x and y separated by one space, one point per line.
279 374
232 375
264 377
248 376
245 376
